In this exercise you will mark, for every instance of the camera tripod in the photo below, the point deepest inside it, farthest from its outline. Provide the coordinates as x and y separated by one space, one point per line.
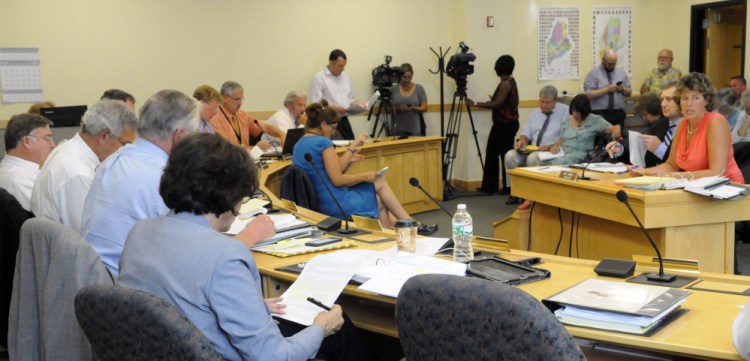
451 139
385 108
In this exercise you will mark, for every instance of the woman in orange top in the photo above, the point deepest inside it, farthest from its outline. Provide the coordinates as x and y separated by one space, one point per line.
703 141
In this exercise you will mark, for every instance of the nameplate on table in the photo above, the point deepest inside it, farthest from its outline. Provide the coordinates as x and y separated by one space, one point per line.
571 176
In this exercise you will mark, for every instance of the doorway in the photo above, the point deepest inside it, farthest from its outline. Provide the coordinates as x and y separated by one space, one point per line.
717 40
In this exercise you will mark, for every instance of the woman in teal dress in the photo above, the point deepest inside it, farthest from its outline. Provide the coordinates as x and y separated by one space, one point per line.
577 135
363 194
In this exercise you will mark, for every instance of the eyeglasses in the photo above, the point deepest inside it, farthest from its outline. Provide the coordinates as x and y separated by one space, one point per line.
48 138
238 99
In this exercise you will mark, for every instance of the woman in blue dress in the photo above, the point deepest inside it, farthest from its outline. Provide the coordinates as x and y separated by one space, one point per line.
363 194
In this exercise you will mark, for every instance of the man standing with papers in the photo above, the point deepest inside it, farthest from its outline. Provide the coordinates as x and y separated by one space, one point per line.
541 130
335 86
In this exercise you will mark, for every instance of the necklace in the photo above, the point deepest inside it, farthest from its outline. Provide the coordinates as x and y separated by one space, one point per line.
694 130
308 132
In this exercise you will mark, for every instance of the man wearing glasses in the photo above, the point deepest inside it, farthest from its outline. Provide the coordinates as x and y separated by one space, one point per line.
607 86
238 126
126 186
28 142
662 75
66 175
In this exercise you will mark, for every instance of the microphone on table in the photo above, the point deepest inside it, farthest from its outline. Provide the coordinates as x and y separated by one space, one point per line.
660 277
415 183
275 149
346 230
597 156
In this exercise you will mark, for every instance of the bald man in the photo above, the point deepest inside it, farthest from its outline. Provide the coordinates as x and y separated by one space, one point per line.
663 74
607 86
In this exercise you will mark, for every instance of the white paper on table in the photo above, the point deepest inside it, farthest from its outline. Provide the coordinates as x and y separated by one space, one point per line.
256 153
550 155
406 265
323 279
549 169
280 221
428 246
637 149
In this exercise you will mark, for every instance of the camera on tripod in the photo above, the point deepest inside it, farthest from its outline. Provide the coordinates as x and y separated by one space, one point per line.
385 75
459 65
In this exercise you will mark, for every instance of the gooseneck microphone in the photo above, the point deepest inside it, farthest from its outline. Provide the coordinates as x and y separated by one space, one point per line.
345 230
661 277
415 183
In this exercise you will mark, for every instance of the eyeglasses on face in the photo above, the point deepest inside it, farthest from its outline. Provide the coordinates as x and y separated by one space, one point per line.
48 138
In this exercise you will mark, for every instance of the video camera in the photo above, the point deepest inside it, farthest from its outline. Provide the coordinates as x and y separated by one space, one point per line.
385 75
459 64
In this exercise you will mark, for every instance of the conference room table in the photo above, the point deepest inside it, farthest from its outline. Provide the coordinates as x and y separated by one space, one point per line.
704 331
684 225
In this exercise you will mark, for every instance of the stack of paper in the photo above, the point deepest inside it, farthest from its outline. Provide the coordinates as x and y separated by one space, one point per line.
616 306
405 266
287 226
550 155
715 187
647 183
604 167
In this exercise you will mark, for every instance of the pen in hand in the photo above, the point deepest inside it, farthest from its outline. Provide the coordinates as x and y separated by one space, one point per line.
318 303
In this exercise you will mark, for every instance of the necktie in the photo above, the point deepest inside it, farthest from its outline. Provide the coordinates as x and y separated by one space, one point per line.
544 128
669 135
611 103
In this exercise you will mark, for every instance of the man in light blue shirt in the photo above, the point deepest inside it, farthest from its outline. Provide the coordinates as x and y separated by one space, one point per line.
125 188
607 86
542 129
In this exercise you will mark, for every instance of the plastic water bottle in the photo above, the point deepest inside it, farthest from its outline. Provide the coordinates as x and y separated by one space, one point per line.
463 232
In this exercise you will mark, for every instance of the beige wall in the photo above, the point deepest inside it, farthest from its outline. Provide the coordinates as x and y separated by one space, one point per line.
271 47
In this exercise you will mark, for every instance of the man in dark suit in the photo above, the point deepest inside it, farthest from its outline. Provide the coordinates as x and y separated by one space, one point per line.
663 114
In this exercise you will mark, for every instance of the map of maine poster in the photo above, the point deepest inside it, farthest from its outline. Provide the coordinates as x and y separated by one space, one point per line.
611 26
558 43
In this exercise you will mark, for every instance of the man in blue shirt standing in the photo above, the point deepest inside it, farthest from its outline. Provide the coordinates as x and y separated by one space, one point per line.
607 86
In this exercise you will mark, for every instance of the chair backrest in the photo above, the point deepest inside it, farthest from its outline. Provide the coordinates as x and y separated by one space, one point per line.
12 216
127 324
53 263
297 187
442 317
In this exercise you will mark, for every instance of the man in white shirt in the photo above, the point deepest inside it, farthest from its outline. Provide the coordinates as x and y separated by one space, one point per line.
28 142
335 86
290 116
66 176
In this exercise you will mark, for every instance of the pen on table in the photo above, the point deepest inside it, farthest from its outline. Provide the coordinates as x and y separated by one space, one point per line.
543 168
318 303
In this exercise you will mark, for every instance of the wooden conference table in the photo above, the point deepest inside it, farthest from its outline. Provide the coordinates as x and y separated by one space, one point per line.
682 224
704 332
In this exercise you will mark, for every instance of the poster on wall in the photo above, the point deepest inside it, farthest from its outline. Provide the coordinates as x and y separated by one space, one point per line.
558 43
20 75
611 26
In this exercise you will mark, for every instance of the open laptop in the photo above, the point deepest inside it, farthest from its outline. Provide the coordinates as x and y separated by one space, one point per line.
69 116
292 137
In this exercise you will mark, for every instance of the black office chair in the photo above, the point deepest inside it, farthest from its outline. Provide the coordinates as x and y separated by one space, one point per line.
442 317
297 187
127 324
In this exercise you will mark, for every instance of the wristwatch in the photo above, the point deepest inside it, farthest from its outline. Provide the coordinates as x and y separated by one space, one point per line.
353 150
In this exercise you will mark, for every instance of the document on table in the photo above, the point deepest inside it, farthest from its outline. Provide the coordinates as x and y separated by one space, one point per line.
287 225
406 265
323 278
637 149
550 155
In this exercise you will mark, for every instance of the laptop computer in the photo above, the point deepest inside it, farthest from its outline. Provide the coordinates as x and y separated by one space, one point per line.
69 116
292 137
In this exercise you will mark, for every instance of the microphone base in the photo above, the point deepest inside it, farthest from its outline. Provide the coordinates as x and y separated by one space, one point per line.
660 277
346 231
587 179
676 282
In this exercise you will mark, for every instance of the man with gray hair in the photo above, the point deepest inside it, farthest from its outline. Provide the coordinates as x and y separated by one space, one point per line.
290 116
66 176
28 142
541 130
238 126
126 187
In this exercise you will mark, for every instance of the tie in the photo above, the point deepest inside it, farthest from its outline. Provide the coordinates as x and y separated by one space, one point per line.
611 103
544 128
669 135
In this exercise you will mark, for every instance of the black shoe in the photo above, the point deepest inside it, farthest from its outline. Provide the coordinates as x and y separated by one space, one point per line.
512 200
427 230
505 191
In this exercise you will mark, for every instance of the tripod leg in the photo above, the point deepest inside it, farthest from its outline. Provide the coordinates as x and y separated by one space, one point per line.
476 141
